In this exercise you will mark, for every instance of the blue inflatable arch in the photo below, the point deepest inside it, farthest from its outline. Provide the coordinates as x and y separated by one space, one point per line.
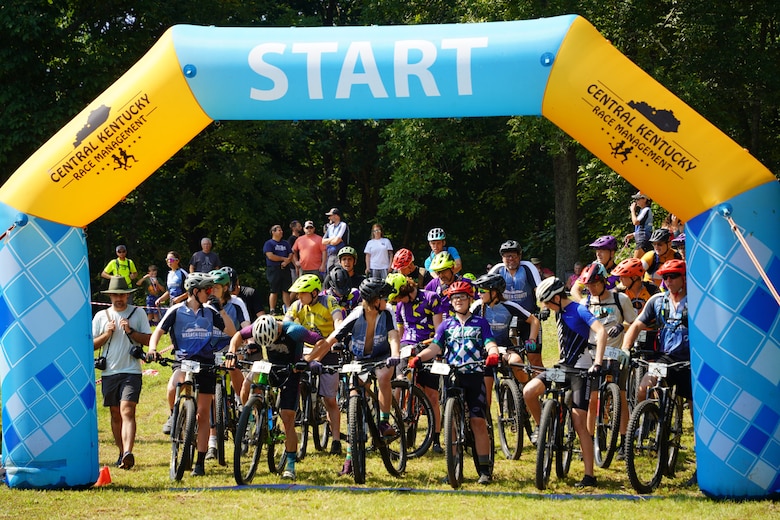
561 68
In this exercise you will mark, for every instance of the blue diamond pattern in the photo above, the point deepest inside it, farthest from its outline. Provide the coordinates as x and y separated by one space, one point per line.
754 440
49 377
755 309
707 377
767 419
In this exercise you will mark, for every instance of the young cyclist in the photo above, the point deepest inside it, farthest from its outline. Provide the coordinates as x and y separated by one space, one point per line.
191 325
339 286
437 239
575 323
662 252
464 338
604 248
403 262
443 265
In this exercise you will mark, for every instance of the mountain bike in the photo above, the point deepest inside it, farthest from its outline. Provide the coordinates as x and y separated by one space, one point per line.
226 410
607 428
311 417
363 418
654 431
416 409
513 419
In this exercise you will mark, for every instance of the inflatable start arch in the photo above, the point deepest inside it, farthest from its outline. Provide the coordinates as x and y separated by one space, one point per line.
559 67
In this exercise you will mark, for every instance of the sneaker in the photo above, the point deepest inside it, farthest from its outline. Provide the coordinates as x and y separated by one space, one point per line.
198 470
693 481
128 460
335 448
621 453
347 468
386 429
484 479
437 448
289 474
211 453
587 481
119 461
167 426
535 436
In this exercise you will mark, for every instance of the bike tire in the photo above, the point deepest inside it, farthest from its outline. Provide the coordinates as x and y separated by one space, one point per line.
276 453
546 443
320 428
644 447
674 436
220 419
183 437
393 448
635 376
454 429
567 439
302 416
607 425
418 418
510 419
357 438
250 436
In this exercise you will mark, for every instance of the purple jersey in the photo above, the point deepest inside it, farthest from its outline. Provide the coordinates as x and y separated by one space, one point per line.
417 317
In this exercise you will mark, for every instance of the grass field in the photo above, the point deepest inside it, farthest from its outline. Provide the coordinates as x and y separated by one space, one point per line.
147 492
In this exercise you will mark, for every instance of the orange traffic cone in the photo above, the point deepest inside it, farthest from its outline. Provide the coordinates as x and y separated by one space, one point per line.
104 478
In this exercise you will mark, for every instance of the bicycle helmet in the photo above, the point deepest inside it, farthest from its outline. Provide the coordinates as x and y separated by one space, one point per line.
338 280
510 246
492 282
373 288
265 330
348 250
233 276
660 235
593 273
672 266
679 240
306 283
436 233
396 281
198 281
549 288
470 277
442 261
221 277
630 267
402 258
605 242
460 287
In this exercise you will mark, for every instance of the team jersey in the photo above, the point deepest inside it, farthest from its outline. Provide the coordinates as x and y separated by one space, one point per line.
417 317
499 316
288 347
651 261
464 342
191 331
356 325
451 250
573 332
175 282
236 309
348 301
520 286
672 325
437 287
611 309
318 317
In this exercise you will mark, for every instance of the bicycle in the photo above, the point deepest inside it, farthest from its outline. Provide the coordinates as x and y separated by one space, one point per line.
654 431
416 409
311 413
513 419
557 436
226 411
636 373
363 417
607 428
456 424
260 423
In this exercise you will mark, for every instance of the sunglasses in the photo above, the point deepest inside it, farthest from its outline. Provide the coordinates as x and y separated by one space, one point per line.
671 276
171 260
483 291
458 297
121 251
309 227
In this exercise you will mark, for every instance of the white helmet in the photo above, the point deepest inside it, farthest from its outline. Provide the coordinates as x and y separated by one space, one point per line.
436 233
549 288
265 330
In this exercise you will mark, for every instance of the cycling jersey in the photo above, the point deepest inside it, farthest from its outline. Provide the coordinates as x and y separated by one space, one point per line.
417 317
520 285
288 347
672 325
464 343
346 302
191 331
436 286
612 309
573 332
451 250
355 323
499 316
238 313
651 262
175 282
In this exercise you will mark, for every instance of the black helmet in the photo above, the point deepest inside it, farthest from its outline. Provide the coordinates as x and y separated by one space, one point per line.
491 281
373 288
510 246
338 280
660 235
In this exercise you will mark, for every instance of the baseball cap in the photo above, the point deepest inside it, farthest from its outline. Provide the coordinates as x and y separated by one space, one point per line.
308 223
334 211
639 195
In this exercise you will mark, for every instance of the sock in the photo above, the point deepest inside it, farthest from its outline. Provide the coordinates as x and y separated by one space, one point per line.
384 416
622 439
212 441
201 458
349 452
436 437
291 455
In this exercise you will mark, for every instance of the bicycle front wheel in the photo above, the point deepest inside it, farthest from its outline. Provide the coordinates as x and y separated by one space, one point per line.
546 443
418 418
220 419
250 436
183 438
320 428
392 448
302 416
454 429
357 437
674 436
510 418
607 425
644 447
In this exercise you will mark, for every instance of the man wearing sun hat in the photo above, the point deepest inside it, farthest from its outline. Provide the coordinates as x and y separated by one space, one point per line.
119 332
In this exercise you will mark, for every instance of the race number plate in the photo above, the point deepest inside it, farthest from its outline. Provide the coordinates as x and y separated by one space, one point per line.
612 353
656 369
351 368
307 351
440 369
555 375
261 367
188 365
502 350
406 351
219 358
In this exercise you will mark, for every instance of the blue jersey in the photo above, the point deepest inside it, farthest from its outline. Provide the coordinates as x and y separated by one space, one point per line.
499 316
464 342
356 324
573 331
191 331
175 282
672 325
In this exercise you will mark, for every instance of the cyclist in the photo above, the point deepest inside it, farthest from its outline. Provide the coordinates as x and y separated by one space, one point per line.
320 313
347 259
521 276
418 315
437 239
191 325
403 262
631 273
662 252
280 343
604 248
575 323
499 313
615 311
339 286
464 338
373 336
678 244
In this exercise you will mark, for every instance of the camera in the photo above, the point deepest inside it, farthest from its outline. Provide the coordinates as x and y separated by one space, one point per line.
137 351
100 363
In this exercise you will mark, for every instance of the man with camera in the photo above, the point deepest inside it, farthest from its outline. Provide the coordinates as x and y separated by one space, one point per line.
119 332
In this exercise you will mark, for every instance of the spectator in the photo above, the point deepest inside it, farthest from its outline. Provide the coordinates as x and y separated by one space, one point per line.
121 266
573 278
379 254
296 230
174 281
154 288
205 260
543 271
310 256
642 219
336 236
278 255
118 332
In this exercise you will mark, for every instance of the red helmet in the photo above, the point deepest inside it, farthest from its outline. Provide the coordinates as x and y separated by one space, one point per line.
460 287
672 266
593 273
629 267
402 258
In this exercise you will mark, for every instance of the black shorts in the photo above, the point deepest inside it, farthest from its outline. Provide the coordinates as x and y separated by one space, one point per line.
206 379
678 376
289 392
580 389
121 387
475 393
278 279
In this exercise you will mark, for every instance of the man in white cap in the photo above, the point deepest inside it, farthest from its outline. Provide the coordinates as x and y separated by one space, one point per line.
309 252
642 219
336 236
119 332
